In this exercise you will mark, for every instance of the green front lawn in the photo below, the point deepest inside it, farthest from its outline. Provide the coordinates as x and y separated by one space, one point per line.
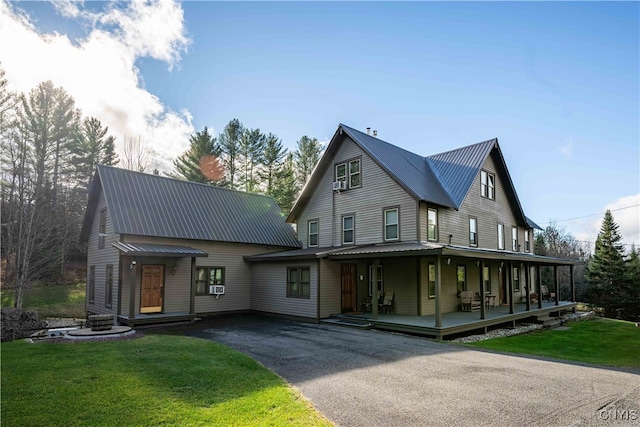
153 380
599 341
51 300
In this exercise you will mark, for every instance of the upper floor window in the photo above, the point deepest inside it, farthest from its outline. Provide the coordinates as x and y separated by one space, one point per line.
473 231
349 172
108 286
313 233
487 185
391 224
348 224
298 282
527 243
102 228
514 239
207 276
500 236
432 224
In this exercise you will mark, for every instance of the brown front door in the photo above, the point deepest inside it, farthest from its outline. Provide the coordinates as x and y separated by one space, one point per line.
152 284
348 288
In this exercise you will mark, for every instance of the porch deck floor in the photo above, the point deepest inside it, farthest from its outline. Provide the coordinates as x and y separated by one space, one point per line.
461 321
143 318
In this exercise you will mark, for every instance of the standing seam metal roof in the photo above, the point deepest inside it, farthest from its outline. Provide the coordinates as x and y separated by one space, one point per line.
151 205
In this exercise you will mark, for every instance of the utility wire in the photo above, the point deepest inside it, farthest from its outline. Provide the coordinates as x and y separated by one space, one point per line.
587 216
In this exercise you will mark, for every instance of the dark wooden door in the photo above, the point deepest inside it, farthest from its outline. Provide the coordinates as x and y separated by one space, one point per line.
151 289
348 281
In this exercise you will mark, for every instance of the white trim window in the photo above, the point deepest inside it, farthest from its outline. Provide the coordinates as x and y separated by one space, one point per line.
500 236
391 224
514 239
527 242
473 231
432 224
348 229
313 233
487 185
354 174
379 279
341 172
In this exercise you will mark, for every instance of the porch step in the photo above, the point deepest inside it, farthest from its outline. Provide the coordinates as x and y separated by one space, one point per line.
348 321
547 321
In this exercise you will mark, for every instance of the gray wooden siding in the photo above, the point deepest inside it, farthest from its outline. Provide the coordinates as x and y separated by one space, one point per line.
330 288
269 289
378 191
488 212
100 258
401 276
178 287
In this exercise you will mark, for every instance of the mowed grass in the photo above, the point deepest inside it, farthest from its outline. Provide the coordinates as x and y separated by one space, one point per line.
598 341
149 381
51 300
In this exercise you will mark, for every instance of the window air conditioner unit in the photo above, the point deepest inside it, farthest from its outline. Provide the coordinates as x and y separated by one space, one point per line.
339 185
216 290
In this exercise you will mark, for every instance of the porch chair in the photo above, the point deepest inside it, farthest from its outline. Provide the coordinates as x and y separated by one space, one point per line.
468 302
546 295
387 302
366 305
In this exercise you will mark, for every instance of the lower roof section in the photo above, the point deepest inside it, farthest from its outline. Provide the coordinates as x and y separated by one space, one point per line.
150 249
404 249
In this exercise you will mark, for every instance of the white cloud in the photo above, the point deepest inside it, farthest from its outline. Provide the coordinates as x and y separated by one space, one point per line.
99 71
626 213
567 149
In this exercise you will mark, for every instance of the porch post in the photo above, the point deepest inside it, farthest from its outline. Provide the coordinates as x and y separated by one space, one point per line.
374 289
132 292
556 284
510 287
527 281
573 286
539 287
438 284
483 306
192 299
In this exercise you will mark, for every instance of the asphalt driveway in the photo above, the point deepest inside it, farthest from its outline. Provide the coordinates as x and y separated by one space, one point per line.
374 378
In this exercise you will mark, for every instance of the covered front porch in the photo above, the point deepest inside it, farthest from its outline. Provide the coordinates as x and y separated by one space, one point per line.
459 321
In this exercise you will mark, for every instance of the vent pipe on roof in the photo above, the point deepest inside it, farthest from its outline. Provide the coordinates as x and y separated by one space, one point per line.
368 131
375 132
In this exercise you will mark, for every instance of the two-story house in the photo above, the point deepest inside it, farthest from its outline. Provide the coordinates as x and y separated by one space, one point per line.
374 217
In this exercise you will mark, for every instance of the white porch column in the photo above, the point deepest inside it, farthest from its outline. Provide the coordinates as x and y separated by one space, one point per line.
132 290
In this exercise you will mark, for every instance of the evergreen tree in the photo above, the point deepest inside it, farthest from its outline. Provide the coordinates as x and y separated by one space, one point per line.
91 147
272 158
606 269
200 163
229 145
286 188
250 155
306 157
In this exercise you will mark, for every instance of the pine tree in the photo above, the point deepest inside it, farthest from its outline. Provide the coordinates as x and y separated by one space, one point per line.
272 160
91 147
306 157
200 163
250 155
229 145
286 187
606 269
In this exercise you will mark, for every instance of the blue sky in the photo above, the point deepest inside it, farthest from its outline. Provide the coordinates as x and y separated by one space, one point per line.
556 82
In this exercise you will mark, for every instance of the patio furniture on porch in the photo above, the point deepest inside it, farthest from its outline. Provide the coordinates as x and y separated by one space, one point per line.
490 300
387 302
366 305
546 295
468 302
533 297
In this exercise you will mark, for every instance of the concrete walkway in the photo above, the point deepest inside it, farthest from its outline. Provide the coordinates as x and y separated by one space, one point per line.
373 378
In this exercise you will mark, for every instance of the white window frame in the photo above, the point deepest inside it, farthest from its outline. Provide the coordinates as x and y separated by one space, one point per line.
473 231
431 280
341 177
500 236
379 279
353 174
514 239
352 230
316 234
108 286
527 242
488 185
434 224
387 224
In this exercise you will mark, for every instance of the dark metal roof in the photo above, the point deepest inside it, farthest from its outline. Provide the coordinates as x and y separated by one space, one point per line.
387 248
532 224
148 249
151 205
307 253
457 169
